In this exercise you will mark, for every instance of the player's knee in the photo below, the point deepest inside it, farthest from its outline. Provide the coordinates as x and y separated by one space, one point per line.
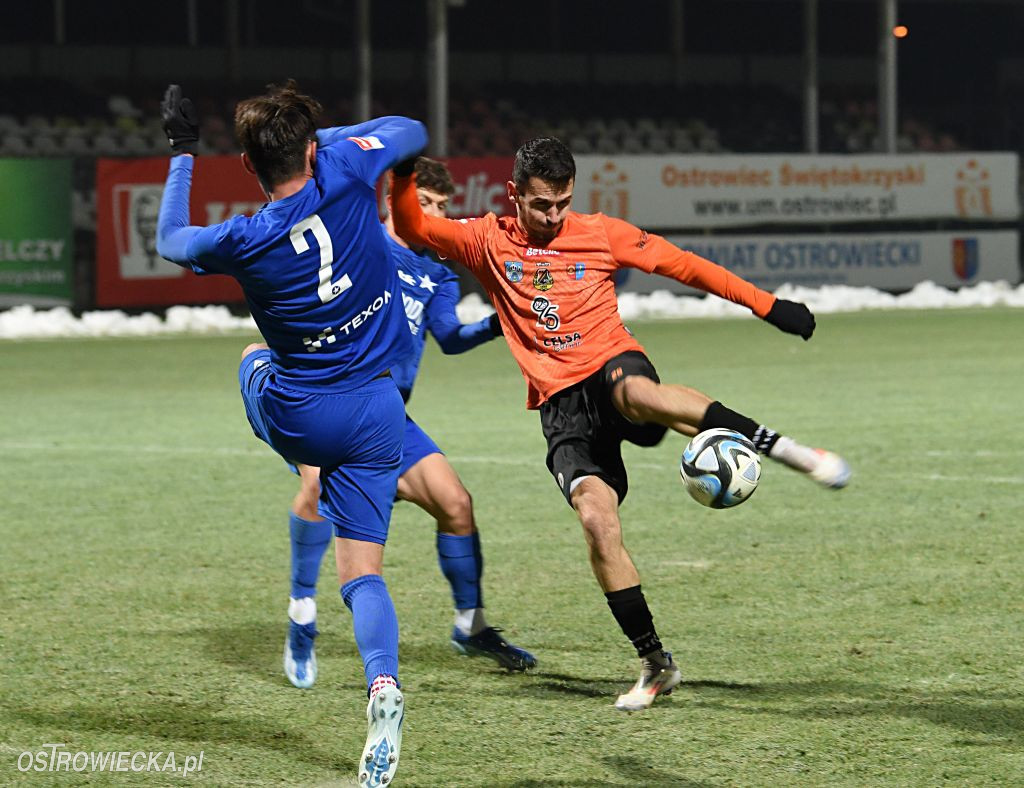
306 502
598 517
306 507
458 512
254 347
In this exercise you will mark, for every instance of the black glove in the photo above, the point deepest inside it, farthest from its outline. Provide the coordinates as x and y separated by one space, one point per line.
496 325
791 317
181 121
405 168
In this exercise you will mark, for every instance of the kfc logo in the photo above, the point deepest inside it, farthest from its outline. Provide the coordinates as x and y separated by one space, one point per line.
136 210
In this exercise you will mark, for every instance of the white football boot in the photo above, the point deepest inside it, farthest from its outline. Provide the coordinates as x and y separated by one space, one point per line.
384 715
831 470
825 467
299 654
655 679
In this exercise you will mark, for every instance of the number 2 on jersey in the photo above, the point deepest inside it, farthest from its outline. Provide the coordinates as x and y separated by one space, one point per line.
327 289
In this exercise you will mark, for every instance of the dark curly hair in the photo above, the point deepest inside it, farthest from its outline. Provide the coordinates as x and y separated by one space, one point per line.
433 175
273 129
545 158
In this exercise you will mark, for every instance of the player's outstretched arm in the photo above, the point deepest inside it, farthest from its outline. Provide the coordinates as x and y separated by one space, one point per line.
176 240
455 239
374 147
369 128
653 254
443 322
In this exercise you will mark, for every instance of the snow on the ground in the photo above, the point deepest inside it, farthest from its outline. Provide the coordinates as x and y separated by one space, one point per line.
26 322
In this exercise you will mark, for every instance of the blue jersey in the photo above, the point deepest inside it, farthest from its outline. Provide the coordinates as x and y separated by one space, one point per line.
430 293
315 268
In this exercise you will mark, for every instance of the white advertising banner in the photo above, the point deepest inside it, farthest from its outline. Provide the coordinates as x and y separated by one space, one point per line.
678 191
892 261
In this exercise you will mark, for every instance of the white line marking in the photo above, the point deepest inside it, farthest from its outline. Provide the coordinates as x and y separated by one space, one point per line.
939 477
262 452
975 453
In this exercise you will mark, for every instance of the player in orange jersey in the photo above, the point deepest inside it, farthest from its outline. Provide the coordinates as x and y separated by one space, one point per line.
549 272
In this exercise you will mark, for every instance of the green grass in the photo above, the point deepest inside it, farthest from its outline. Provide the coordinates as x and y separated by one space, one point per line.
870 636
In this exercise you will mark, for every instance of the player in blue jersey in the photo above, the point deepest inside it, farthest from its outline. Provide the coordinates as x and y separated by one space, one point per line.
322 287
430 293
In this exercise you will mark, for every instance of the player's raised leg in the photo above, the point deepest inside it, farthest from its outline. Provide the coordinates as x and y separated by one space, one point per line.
689 411
432 484
596 505
310 534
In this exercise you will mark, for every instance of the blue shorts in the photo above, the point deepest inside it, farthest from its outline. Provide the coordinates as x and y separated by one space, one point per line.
416 446
355 438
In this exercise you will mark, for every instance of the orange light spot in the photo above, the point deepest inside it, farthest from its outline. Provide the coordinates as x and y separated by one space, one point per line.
900 31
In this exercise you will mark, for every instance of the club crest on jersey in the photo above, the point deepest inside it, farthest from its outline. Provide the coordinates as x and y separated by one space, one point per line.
367 143
513 271
576 270
543 280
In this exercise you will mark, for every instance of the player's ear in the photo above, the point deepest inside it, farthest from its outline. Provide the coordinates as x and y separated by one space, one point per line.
513 192
311 153
247 163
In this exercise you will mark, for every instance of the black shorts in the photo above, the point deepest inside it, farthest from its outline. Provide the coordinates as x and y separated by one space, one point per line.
584 430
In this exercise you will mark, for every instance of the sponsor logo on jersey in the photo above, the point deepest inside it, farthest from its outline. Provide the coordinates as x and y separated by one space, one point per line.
513 271
543 280
531 252
414 309
564 341
367 143
547 313
965 257
407 278
576 270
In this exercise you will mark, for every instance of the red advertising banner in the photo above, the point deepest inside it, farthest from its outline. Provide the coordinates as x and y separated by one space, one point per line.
480 186
129 272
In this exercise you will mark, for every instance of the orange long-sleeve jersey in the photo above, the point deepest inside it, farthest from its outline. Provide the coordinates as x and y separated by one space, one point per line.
556 303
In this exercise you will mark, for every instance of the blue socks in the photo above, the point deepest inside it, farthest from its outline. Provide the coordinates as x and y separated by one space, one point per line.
462 564
375 625
309 543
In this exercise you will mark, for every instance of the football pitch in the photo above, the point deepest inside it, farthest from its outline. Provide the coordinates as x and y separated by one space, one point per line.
870 636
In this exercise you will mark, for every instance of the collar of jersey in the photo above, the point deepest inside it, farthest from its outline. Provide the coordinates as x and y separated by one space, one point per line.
291 199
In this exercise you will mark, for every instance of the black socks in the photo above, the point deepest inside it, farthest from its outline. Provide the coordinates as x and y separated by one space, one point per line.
630 609
718 415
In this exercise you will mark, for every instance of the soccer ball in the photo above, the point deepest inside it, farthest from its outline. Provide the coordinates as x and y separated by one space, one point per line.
720 468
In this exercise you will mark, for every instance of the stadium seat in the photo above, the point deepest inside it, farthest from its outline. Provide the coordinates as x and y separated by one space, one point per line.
14 145
579 144
657 142
46 145
135 145
632 143
104 144
681 141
